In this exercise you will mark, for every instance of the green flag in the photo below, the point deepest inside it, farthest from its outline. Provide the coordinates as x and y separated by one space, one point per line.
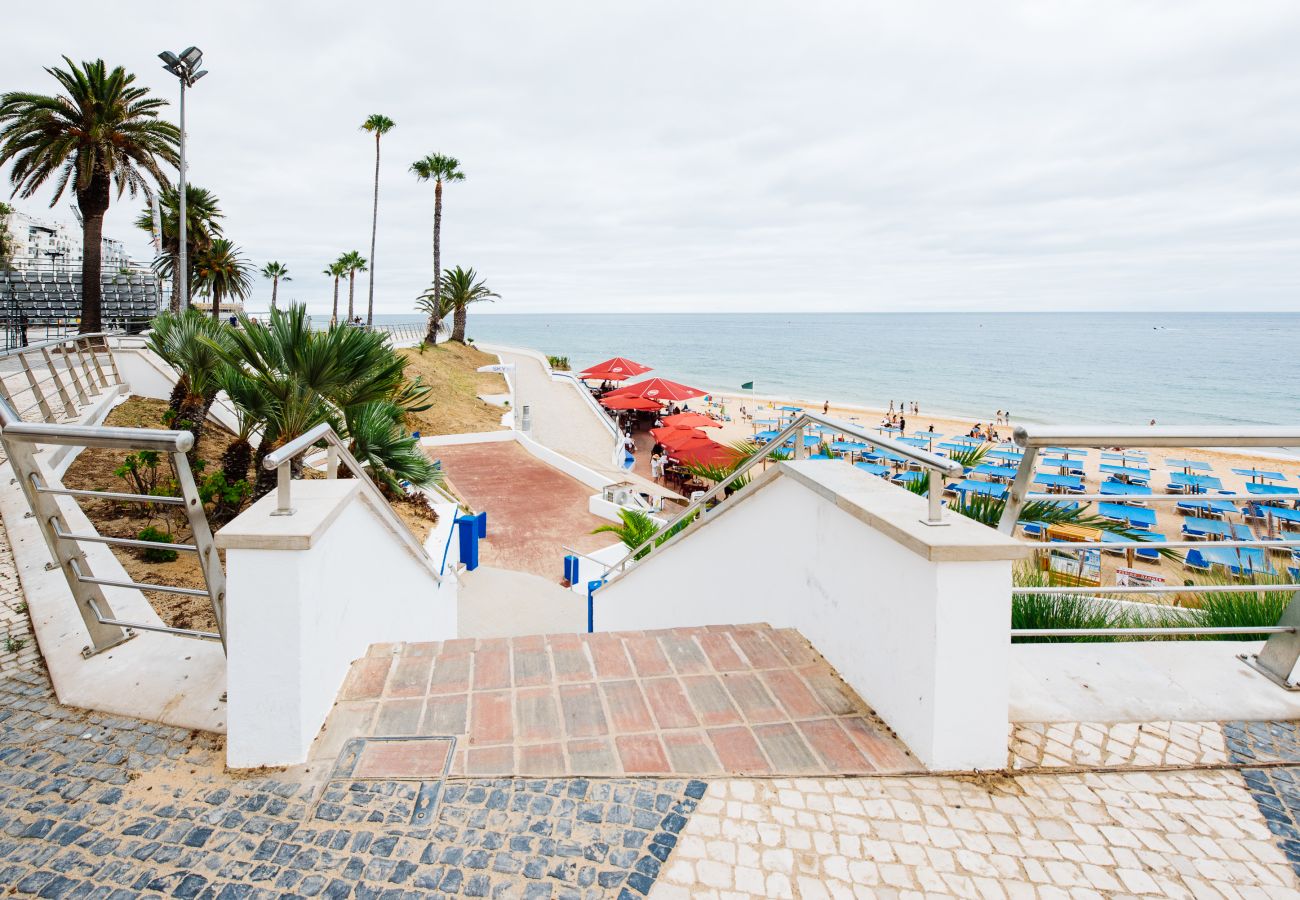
747 386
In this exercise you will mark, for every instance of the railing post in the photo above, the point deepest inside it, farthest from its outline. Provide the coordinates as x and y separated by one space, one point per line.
934 498
213 577
94 357
800 451
46 413
283 500
89 597
68 407
72 373
1277 660
1019 487
85 368
332 462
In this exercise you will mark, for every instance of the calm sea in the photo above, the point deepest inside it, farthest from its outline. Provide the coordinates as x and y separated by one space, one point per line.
1085 368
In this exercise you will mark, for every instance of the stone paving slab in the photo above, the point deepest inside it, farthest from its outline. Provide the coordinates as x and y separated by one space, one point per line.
694 701
1125 745
1184 834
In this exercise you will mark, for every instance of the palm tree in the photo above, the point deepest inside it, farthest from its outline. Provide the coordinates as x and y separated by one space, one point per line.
192 344
221 272
378 125
202 225
352 262
277 272
461 288
335 270
348 377
437 168
99 134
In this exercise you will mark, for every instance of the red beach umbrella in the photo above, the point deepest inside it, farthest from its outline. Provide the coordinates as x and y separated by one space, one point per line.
715 455
617 369
679 437
658 389
691 420
636 403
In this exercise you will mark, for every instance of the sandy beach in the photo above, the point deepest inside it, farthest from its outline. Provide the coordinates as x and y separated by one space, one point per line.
1168 520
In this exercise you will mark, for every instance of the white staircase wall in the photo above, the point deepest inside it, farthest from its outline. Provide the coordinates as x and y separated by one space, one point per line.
915 618
306 595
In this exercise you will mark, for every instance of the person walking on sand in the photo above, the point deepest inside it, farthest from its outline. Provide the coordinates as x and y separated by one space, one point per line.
826 408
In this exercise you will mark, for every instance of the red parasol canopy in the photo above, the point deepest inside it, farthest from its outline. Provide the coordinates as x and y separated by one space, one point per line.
715 455
658 389
616 369
691 420
679 437
639 403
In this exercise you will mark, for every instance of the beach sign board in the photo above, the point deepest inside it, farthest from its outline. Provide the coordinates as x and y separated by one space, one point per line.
1137 578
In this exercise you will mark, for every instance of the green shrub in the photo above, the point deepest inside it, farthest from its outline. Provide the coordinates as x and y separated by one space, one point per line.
157 536
558 363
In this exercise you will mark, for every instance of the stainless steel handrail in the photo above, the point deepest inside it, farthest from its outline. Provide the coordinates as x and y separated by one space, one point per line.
104 627
279 460
929 461
1040 436
1281 652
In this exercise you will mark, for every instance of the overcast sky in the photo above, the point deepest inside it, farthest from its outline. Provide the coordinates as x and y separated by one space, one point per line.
706 156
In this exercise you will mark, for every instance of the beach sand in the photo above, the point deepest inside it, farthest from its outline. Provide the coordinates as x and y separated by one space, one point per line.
1168 521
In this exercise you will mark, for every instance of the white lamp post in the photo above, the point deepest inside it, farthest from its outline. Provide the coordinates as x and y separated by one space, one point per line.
186 68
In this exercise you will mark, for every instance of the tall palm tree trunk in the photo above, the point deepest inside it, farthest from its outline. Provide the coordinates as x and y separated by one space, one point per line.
275 287
216 305
374 228
352 283
437 257
458 323
334 316
93 203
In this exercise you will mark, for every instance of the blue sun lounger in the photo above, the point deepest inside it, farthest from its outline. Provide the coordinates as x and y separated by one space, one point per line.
994 471
1135 537
873 468
1206 507
1136 516
1239 561
1198 483
1281 513
984 488
1120 489
1196 527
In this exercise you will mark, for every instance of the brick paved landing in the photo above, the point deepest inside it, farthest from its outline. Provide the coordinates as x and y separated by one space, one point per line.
740 700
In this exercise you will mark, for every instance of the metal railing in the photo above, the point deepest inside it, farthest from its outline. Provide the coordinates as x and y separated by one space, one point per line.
1282 650
50 392
280 461
105 628
403 331
934 465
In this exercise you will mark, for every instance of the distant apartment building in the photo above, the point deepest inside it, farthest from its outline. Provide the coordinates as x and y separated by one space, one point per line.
38 244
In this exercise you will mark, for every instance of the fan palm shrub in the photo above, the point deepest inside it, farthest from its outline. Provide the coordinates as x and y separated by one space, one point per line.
307 377
378 125
439 169
195 346
102 132
634 529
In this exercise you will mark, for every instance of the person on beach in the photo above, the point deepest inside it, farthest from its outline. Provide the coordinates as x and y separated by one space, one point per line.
902 425
826 408
657 468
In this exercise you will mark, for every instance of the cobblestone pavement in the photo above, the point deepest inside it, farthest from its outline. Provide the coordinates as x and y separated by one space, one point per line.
1180 834
1146 744
96 806
743 700
18 650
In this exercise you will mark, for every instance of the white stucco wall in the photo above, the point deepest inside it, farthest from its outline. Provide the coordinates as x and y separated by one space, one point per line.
306 595
914 619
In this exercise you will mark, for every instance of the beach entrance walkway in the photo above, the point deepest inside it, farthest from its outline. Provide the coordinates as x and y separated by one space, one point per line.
561 420
534 511
745 699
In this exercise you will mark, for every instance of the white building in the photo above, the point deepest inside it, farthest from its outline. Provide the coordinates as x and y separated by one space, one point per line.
45 244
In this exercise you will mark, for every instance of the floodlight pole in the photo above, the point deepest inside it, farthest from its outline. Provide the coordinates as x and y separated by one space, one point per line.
186 69
184 274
